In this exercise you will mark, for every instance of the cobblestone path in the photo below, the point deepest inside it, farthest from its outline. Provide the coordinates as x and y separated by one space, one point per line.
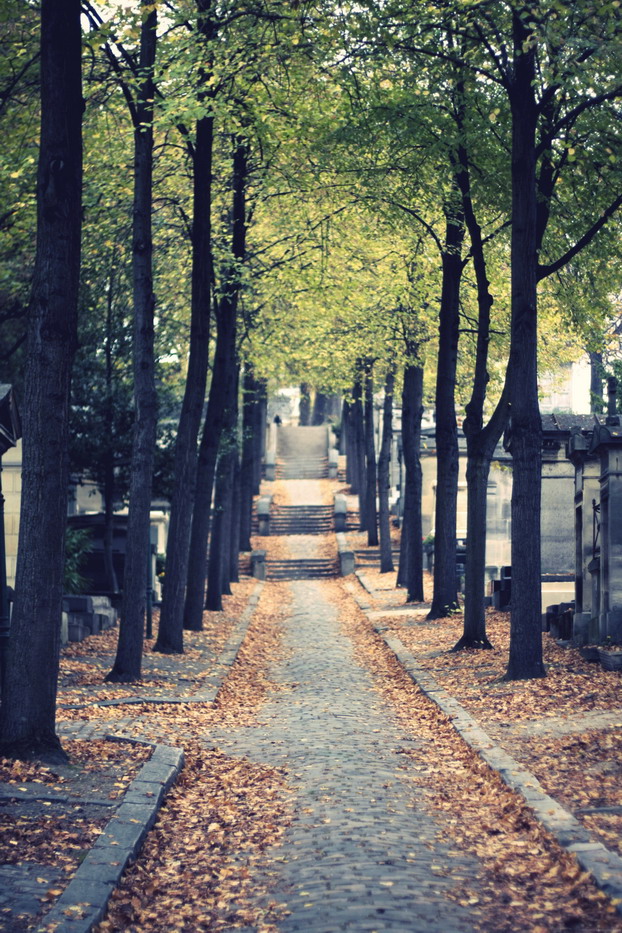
362 852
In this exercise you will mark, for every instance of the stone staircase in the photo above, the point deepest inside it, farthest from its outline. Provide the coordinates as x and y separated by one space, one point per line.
299 468
301 520
302 453
370 556
302 568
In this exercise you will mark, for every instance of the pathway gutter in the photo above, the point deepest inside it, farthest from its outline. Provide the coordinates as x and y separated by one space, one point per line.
603 865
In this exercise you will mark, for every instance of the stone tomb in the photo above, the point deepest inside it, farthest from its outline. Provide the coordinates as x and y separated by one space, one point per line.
597 458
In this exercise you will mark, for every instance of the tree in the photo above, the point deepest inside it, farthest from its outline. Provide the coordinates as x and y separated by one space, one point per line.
221 415
128 660
170 632
445 597
384 461
411 551
27 714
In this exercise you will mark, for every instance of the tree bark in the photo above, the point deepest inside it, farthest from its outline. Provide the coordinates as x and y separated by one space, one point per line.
352 467
220 542
474 630
250 427
170 631
411 550
445 597
358 419
481 440
128 661
320 408
222 396
305 404
525 659
384 483
371 479
27 713
234 535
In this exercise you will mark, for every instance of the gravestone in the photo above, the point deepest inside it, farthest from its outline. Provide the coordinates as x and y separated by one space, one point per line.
606 566
585 628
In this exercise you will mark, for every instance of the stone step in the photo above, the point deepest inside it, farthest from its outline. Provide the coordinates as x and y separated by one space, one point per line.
300 528
301 569
371 555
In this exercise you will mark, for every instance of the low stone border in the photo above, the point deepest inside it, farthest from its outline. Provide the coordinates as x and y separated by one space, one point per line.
212 683
84 901
603 865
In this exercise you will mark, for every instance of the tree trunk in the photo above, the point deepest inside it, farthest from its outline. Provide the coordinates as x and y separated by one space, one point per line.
170 631
411 550
128 661
481 441
371 480
525 659
352 467
305 404
384 482
474 632
213 425
27 713
112 584
234 549
445 597
250 426
260 432
343 433
222 396
220 542
320 408
358 419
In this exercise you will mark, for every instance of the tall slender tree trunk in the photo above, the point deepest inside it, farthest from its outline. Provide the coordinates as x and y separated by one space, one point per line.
128 661
170 631
260 433
234 543
222 396
474 632
358 418
305 404
250 426
481 440
384 481
352 467
525 659
320 408
445 597
28 710
109 488
411 549
371 478
220 541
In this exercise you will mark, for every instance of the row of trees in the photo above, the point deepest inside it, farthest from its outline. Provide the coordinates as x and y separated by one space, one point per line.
308 192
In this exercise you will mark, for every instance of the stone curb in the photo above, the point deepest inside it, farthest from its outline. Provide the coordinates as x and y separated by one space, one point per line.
603 865
212 683
84 901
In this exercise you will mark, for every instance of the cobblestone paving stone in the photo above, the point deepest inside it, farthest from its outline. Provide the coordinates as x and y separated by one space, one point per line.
362 852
